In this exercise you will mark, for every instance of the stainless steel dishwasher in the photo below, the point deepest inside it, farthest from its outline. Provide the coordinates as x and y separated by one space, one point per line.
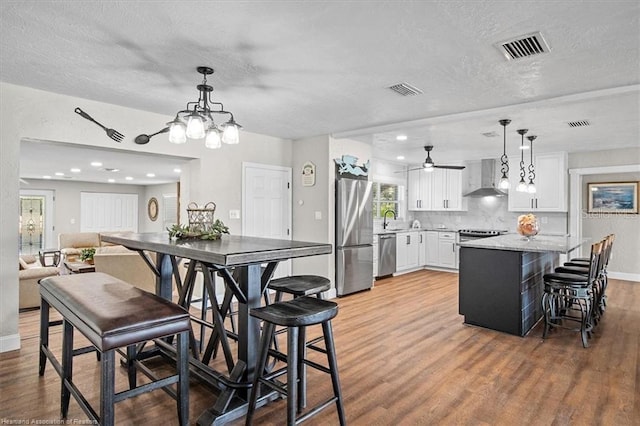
386 254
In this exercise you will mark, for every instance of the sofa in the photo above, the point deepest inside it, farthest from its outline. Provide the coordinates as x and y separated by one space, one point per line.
71 244
126 265
29 273
109 258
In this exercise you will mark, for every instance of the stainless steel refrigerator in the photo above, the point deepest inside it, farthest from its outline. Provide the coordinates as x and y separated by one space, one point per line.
354 236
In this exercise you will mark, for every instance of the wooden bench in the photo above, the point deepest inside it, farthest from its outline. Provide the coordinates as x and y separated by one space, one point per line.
112 314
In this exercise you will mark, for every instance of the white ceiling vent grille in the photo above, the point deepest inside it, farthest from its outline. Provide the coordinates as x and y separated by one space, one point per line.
523 46
405 89
490 134
580 123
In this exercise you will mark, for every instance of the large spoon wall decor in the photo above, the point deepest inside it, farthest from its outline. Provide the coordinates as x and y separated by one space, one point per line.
143 139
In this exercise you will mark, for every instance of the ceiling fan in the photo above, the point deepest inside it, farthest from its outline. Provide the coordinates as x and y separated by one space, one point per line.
429 165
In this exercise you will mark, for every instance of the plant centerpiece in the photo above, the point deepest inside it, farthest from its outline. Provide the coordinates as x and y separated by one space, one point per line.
201 224
211 233
86 255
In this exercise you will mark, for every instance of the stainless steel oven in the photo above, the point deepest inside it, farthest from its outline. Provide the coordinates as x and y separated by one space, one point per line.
474 234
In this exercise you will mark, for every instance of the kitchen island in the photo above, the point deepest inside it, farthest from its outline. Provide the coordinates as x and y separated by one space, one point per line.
501 279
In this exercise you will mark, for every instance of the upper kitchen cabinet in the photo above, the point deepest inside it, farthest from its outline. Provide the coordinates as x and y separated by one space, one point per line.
438 190
550 181
447 189
420 188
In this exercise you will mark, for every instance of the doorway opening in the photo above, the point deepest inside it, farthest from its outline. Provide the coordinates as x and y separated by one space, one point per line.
35 221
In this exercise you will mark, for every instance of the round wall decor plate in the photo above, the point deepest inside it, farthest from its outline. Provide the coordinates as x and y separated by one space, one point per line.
152 208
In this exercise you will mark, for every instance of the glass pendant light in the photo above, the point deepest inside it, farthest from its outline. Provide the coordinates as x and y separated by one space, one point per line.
522 185
177 131
213 138
195 126
230 134
504 168
531 187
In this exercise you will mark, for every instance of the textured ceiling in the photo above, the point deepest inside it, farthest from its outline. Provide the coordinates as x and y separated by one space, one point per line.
295 69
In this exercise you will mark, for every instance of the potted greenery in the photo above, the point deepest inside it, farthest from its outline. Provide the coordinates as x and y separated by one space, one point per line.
86 255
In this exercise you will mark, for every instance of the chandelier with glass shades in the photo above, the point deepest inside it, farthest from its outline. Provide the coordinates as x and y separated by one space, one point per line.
196 121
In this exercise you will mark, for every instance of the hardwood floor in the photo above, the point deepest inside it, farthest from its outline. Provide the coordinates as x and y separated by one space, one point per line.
405 358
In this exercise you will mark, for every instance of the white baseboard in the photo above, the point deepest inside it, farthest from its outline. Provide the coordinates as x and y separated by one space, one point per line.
10 343
330 294
624 276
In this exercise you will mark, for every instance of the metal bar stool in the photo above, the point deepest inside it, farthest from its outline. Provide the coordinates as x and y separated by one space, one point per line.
570 297
295 315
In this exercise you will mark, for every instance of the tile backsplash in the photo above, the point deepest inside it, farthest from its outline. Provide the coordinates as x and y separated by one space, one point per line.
489 213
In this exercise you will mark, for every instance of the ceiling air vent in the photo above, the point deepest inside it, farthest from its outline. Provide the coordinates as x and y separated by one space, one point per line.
405 89
523 46
580 123
490 134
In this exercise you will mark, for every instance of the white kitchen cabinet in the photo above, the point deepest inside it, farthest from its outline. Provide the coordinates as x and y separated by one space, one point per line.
407 250
422 252
438 190
447 250
447 189
432 248
550 181
441 249
420 190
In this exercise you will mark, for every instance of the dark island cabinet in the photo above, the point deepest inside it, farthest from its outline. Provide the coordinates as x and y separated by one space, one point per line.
502 289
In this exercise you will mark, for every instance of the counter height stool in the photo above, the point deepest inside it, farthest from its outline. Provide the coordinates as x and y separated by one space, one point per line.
298 286
579 266
295 315
571 297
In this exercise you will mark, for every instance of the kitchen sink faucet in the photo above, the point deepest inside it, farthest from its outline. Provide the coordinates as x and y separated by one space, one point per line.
384 222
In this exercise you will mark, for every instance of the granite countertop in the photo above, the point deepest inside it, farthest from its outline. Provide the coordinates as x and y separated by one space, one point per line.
516 242
395 231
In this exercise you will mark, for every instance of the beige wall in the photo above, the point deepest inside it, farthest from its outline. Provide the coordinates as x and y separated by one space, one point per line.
67 201
322 151
145 224
626 250
35 114
310 199
625 260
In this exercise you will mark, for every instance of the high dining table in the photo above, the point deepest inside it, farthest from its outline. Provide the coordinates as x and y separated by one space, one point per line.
254 259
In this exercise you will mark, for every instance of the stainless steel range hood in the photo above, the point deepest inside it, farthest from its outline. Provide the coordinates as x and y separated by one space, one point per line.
487 181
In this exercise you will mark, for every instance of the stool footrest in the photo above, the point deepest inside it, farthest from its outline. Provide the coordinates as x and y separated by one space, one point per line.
315 410
147 387
82 402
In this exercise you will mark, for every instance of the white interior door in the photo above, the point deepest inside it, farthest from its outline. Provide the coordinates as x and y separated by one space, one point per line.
266 205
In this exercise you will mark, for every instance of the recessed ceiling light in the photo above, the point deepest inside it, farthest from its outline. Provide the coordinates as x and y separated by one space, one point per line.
111 180
524 147
96 164
75 170
151 175
400 157
46 177
59 174
128 178
177 170
401 137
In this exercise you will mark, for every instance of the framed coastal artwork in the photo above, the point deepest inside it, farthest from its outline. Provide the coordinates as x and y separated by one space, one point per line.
613 197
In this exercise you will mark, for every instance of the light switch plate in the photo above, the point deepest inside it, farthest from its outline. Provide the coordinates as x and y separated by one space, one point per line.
234 214
318 215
